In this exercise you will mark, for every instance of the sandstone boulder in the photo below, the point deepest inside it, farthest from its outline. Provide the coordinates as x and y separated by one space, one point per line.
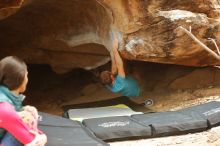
69 34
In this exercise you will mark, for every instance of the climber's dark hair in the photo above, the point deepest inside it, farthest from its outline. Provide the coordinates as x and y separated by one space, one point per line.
12 72
105 77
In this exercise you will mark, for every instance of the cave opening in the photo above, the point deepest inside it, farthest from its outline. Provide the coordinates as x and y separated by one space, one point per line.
168 85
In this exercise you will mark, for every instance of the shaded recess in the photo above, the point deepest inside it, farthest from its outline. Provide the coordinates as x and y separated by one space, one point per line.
167 85
45 32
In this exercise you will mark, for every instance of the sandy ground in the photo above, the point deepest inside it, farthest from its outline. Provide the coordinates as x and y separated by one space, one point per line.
206 138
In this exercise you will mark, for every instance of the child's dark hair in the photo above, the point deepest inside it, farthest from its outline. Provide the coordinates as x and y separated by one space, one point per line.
12 72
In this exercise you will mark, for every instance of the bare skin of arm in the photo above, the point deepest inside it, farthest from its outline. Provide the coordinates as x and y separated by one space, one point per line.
118 60
114 67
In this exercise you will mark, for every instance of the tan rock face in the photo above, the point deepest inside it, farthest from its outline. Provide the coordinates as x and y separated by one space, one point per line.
73 33
151 31
64 34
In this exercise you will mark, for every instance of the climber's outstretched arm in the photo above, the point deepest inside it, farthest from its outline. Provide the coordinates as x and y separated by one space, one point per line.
118 60
114 69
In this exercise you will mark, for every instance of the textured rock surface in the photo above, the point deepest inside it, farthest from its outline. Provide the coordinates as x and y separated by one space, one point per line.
64 34
73 33
9 7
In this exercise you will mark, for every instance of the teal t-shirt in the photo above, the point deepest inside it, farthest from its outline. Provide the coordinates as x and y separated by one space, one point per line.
127 86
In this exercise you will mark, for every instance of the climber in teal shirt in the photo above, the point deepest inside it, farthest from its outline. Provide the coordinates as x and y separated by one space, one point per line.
126 86
116 80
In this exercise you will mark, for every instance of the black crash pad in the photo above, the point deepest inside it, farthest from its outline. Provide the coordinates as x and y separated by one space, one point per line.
64 132
53 120
117 128
209 111
66 136
171 123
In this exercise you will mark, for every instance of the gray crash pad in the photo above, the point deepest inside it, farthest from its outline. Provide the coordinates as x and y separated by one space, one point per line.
64 132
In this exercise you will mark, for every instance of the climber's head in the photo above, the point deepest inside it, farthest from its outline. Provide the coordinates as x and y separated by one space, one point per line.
107 78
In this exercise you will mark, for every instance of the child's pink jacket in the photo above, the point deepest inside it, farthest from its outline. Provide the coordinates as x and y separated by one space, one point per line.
11 122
